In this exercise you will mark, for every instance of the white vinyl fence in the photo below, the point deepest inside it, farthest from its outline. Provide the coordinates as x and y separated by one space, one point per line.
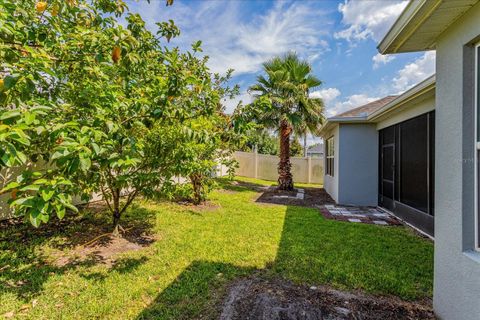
11 174
261 166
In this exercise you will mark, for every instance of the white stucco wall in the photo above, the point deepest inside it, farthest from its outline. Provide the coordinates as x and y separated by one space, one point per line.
330 184
358 165
457 267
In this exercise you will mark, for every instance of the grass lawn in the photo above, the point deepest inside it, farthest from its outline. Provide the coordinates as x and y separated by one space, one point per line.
185 272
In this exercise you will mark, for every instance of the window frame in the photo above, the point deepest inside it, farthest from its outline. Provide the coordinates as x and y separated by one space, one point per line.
330 156
477 146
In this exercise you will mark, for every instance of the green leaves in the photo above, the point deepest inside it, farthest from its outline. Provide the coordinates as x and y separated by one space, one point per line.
10 81
196 46
10 114
74 121
168 30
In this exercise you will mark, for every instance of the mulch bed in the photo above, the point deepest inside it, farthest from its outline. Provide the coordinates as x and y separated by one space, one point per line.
313 197
277 299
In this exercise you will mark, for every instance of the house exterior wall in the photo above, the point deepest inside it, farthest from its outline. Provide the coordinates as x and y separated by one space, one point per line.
457 265
408 111
358 165
330 184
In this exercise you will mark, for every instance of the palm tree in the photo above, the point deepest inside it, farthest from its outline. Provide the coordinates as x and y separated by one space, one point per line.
309 125
283 96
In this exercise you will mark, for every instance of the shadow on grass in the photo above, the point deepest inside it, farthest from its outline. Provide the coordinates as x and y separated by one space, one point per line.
121 266
25 267
241 186
312 251
195 293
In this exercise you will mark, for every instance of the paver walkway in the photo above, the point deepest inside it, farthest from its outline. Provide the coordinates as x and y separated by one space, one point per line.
318 198
368 215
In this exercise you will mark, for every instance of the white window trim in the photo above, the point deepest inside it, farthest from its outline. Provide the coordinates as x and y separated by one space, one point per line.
477 149
327 156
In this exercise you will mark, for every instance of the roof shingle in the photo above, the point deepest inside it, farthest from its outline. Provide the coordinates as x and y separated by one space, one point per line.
366 109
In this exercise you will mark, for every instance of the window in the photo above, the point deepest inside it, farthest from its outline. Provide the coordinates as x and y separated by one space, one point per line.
477 146
330 158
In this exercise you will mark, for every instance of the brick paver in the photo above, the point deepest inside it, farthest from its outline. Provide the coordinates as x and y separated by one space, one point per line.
368 215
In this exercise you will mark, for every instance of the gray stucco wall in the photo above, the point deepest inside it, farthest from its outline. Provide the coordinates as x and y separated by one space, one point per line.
330 183
457 265
358 165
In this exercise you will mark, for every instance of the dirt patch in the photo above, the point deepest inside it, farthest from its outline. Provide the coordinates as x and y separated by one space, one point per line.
105 249
256 298
105 253
83 238
313 197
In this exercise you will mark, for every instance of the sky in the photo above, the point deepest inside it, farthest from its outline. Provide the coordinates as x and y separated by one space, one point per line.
338 38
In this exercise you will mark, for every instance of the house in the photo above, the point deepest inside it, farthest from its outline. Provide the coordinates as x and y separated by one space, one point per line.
452 28
382 154
315 151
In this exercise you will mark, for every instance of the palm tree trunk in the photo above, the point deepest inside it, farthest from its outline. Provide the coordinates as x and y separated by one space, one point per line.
305 145
285 181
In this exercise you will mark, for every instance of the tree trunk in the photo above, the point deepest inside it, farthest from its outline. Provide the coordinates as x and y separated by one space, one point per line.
116 211
285 181
197 188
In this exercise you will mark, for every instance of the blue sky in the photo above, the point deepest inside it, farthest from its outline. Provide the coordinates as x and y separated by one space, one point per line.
339 38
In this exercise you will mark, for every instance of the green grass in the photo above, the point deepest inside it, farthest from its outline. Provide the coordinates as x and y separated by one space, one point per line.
272 183
184 274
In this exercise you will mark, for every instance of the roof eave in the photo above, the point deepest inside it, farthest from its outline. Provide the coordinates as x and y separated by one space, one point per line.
416 92
411 18
333 120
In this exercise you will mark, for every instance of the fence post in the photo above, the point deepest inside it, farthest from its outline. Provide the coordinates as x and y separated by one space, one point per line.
309 168
255 163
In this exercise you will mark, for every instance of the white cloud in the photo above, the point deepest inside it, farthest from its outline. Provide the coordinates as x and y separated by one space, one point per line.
368 19
411 74
328 95
334 105
231 104
381 59
414 72
237 38
351 102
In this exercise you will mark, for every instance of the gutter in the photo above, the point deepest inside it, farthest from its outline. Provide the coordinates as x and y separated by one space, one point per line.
411 94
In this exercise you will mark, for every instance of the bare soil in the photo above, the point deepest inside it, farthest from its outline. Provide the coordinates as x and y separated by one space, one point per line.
82 239
257 298
104 250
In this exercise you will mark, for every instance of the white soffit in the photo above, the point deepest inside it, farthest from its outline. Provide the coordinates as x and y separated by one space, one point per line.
420 24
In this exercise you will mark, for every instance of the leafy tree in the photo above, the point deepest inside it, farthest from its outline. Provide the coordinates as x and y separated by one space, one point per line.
204 143
81 93
263 140
296 149
282 101
311 124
